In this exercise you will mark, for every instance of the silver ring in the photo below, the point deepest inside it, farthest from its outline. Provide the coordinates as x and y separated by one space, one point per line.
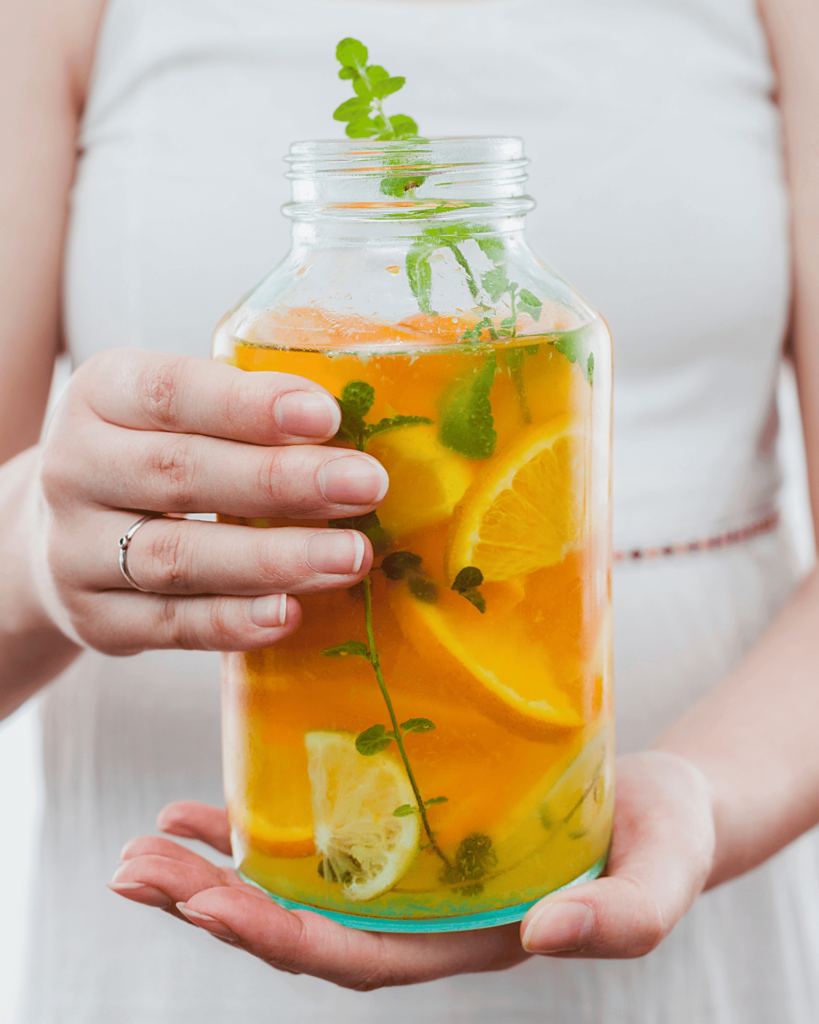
124 543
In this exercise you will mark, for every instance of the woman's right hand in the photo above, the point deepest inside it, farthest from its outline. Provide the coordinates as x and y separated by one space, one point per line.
139 432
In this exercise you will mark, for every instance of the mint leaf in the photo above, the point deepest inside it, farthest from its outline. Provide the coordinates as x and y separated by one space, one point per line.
436 800
530 304
393 422
417 725
403 127
350 52
419 274
571 346
590 368
495 282
350 109
474 596
391 85
352 648
467 424
373 740
358 396
404 811
369 525
396 565
422 588
467 579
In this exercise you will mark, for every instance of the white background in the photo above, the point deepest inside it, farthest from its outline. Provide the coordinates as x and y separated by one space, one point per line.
21 783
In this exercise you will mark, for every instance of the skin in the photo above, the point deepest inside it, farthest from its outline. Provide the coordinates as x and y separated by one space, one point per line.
732 782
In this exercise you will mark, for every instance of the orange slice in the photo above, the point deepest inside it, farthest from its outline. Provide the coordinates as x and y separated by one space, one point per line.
526 510
279 840
506 677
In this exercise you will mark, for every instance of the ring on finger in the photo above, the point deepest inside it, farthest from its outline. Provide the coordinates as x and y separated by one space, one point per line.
124 543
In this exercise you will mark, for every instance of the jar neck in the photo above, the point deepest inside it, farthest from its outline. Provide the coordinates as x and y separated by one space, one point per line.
398 189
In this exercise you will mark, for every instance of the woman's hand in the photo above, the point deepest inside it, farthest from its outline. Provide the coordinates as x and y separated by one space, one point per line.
661 856
138 432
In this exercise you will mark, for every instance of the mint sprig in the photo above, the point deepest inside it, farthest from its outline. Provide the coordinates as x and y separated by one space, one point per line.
466 423
356 400
364 113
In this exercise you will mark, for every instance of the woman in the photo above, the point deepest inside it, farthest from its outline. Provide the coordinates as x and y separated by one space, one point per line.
656 153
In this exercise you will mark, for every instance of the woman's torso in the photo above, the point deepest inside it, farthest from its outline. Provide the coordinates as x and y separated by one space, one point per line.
656 164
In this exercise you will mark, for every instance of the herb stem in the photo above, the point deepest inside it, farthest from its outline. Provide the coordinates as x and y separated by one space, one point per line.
376 664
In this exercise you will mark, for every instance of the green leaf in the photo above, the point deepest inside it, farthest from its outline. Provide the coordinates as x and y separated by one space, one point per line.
373 740
361 128
350 109
417 725
419 274
396 565
362 89
492 248
422 588
436 800
474 596
357 397
398 186
590 368
403 127
530 303
467 579
391 85
474 859
352 648
467 425
393 422
350 52
367 524
495 282
347 73
404 811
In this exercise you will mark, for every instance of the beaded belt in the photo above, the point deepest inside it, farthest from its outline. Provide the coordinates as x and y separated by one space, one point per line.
767 524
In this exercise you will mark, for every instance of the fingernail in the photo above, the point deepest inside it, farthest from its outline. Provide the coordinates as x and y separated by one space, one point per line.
269 611
307 414
210 924
559 927
147 893
338 551
354 480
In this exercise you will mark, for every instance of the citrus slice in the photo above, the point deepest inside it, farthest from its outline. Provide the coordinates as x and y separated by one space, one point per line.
363 845
525 511
426 479
506 677
278 840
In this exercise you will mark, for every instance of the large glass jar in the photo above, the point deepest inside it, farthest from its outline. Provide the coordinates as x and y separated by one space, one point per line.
432 749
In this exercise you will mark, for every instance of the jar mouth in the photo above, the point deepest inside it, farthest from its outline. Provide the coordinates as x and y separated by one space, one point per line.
442 177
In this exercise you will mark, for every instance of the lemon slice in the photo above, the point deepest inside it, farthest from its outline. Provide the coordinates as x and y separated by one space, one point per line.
505 677
426 479
363 845
525 511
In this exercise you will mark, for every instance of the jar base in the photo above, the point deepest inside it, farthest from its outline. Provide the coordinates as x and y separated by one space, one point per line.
461 923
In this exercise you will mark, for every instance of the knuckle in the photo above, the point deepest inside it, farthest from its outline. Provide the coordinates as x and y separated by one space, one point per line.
160 387
168 553
652 931
174 461
173 623
273 480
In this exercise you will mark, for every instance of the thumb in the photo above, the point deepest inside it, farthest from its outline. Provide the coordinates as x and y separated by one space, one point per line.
661 855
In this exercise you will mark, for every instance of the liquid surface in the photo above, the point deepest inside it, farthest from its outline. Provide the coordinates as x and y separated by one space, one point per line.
503 784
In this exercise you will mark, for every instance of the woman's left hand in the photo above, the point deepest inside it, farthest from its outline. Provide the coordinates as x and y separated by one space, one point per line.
661 856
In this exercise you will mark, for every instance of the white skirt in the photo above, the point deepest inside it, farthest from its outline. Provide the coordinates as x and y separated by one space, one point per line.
124 737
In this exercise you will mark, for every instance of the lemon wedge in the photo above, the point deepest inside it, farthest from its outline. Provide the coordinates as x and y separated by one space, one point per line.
363 845
426 479
525 511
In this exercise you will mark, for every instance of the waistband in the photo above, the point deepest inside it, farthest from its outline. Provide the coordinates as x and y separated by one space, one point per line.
766 524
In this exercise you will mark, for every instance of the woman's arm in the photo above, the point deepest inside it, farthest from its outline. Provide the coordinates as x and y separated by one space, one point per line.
755 736
46 49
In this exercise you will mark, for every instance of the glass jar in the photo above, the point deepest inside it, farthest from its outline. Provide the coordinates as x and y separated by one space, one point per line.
432 749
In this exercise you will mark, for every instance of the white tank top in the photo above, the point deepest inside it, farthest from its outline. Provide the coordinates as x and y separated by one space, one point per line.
656 164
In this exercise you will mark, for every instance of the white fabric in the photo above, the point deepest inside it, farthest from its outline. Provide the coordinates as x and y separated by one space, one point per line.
657 167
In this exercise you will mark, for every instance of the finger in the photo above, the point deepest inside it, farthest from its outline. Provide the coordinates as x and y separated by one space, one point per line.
149 391
163 882
121 622
662 849
192 820
177 556
185 473
304 942
148 845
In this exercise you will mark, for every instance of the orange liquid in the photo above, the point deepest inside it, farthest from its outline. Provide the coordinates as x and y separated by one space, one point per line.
519 694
